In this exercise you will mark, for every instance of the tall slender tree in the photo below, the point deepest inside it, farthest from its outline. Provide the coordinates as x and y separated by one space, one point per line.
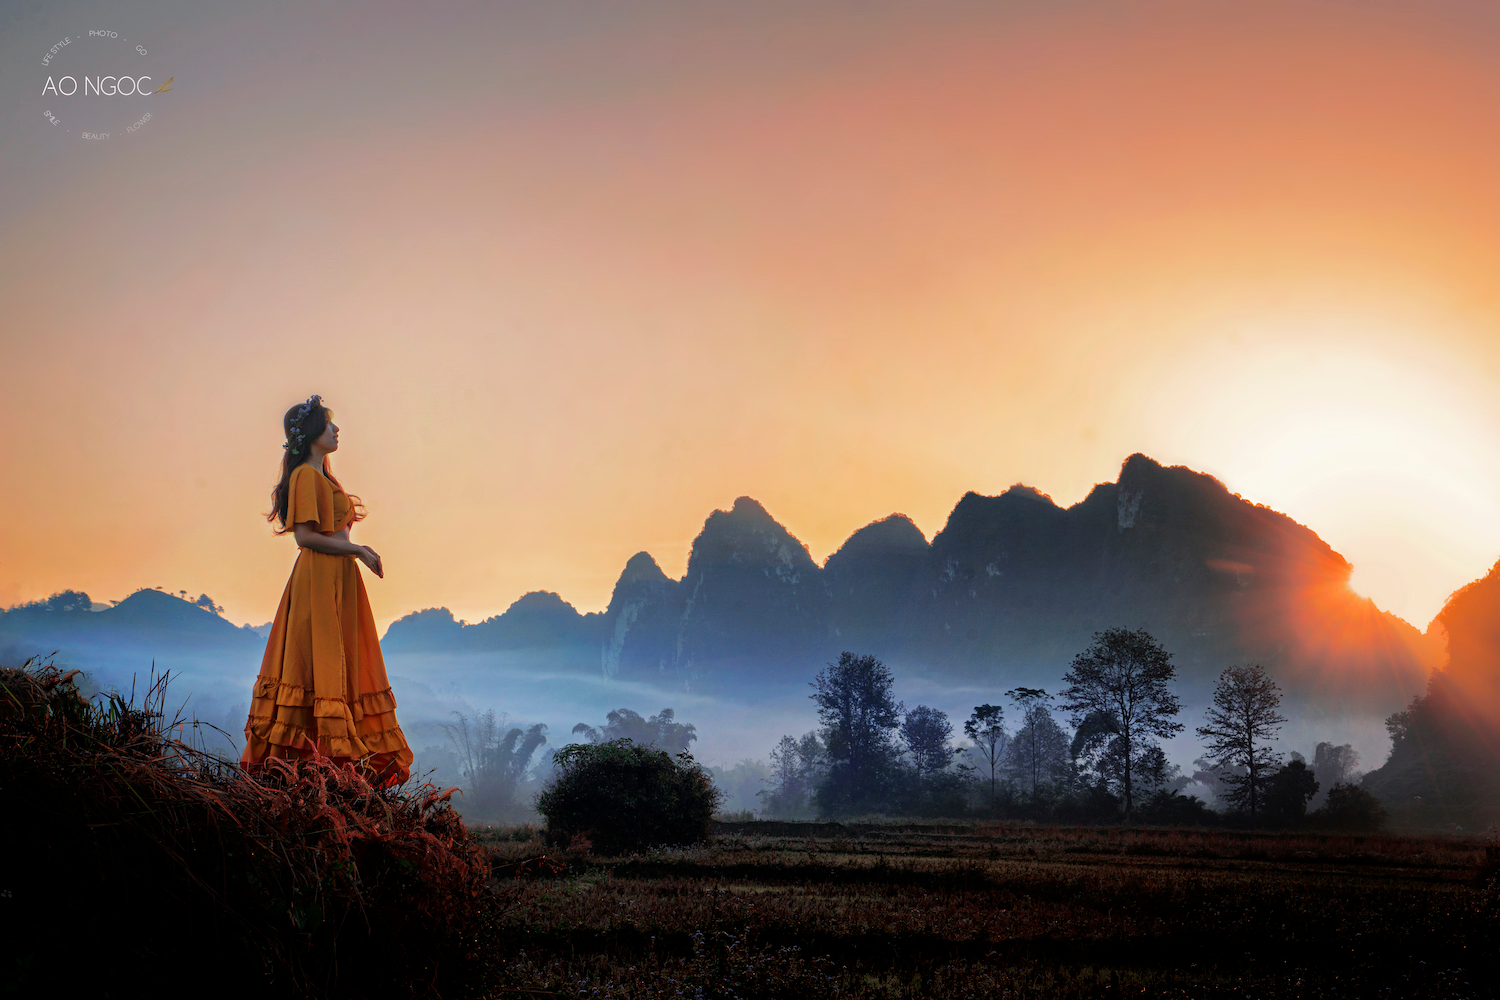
1039 749
796 767
1120 686
859 714
986 727
1238 726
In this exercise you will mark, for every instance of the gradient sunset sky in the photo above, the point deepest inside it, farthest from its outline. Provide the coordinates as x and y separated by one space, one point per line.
572 275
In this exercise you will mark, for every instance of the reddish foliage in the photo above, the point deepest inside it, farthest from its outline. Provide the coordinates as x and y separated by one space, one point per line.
302 879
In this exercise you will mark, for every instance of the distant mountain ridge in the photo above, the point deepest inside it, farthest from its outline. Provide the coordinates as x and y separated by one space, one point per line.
539 619
1012 586
1009 590
148 633
143 618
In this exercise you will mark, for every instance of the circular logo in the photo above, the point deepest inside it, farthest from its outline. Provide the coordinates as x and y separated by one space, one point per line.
100 85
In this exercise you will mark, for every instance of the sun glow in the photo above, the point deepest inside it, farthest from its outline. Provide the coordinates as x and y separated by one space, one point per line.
1375 442
845 265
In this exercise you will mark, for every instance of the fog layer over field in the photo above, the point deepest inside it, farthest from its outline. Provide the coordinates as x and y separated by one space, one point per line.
524 688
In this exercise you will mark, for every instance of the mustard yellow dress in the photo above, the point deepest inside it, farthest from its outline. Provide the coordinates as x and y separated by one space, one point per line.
322 686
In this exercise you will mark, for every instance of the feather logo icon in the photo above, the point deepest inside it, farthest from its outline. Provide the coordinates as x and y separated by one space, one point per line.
165 87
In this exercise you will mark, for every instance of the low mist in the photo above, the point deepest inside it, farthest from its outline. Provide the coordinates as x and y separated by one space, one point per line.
524 688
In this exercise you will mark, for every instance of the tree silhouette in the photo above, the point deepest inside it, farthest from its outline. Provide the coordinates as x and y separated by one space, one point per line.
1287 793
986 727
1120 683
495 764
1039 749
796 768
926 732
66 600
662 731
1242 718
1335 765
859 714
1350 807
1155 772
207 604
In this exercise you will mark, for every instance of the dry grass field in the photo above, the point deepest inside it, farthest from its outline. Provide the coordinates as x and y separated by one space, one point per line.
999 910
140 852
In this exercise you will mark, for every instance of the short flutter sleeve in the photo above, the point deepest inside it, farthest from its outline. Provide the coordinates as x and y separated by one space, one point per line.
309 498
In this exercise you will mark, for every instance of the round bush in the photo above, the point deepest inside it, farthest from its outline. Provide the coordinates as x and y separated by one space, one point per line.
621 797
1352 809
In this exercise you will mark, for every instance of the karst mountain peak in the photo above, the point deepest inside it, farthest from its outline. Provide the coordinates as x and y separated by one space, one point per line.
1008 590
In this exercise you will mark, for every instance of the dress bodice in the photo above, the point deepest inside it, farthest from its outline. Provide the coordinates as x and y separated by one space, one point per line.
312 496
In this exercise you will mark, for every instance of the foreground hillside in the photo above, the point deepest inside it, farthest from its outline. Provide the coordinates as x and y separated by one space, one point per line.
133 856
1009 590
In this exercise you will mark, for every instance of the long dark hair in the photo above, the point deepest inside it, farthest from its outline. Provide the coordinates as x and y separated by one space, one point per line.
303 425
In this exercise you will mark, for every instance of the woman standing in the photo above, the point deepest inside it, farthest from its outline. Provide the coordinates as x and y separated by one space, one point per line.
322 688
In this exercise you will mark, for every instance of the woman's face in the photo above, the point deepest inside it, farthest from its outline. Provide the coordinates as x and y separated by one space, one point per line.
329 439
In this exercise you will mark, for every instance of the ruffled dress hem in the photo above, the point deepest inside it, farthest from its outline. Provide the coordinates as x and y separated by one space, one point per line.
322 688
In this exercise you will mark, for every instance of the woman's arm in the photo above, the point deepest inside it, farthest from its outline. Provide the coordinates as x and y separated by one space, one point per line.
308 537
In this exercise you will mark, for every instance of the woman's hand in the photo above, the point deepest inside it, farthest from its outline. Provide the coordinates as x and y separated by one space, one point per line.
371 558
308 537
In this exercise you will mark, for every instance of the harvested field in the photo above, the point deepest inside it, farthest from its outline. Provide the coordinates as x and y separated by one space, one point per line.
990 910
136 851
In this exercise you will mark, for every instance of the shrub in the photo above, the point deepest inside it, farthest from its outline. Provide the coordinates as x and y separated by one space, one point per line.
622 796
1350 807
936 793
1092 804
1172 809
1287 792
128 850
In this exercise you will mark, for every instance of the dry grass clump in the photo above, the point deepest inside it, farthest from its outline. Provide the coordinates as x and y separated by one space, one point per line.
132 857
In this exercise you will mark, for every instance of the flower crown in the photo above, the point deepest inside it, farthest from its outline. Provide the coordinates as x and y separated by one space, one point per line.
297 437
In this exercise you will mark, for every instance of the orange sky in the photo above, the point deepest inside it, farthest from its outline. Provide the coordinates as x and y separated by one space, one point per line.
572 278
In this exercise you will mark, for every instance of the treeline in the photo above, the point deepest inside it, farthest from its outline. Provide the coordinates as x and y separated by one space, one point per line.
872 755
1089 753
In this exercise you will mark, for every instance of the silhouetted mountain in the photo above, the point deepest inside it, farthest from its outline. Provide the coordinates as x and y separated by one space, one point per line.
1010 589
150 632
752 594
426 630
1444 766
148 619
1017 579
540 619
1470 627
641 610
871 579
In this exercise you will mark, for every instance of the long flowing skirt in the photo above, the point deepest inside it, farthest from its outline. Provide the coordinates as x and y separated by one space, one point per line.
322 686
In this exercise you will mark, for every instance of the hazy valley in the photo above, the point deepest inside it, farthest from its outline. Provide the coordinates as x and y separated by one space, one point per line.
1005 594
